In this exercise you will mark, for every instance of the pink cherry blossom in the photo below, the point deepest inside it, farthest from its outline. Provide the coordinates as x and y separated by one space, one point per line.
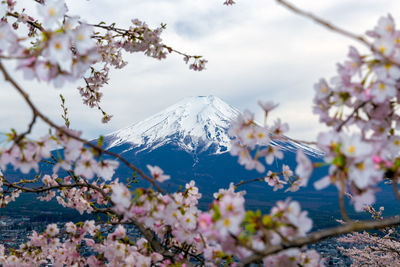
158 173
53 12
304 167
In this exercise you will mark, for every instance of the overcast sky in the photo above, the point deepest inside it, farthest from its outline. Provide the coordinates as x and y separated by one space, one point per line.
256 50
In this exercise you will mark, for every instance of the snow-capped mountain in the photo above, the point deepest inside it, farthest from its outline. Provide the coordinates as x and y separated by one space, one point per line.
195 124
189 141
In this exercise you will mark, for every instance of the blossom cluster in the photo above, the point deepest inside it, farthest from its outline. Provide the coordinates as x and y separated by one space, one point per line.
360 104
62 48
156 211
247 135
25 155
62 247
362 149
372 249
221 234
252 142
83 199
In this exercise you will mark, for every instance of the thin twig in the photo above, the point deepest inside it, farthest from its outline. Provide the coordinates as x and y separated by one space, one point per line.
249 181
396 189
32 23
350 116
29 130
341 199
49 188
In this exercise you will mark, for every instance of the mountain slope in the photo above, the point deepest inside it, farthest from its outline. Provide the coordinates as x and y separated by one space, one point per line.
194 124
189 141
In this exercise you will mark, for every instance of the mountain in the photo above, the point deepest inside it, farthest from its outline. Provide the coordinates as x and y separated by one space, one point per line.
194 124
189 141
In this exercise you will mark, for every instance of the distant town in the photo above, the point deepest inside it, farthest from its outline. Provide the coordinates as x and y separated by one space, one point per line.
15 230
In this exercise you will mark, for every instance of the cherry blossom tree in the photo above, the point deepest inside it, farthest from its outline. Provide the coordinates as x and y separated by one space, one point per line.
359 106
372 249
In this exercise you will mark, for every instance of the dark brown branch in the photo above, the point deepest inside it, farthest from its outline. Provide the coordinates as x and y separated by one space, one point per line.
32 23
29 130
323 234
341 199
260 179
350 116
249 181
49 188
396 189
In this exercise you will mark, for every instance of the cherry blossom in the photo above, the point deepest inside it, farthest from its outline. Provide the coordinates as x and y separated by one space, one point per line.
158 173
53 12
267 106
304 167
8 39
82 39
359 105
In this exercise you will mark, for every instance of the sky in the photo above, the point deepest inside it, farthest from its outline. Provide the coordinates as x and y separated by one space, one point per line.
256 50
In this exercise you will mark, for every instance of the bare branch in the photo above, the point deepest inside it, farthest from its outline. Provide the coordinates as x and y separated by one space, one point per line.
29 130
249 181
49 188
341 199
396 188
355 111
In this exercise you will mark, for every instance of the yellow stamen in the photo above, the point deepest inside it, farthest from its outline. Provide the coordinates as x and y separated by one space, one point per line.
351 149
52 12
80 37
227 222
361 166
324 89
58 46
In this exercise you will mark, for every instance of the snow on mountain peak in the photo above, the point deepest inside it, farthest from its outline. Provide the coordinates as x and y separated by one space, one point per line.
194 123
